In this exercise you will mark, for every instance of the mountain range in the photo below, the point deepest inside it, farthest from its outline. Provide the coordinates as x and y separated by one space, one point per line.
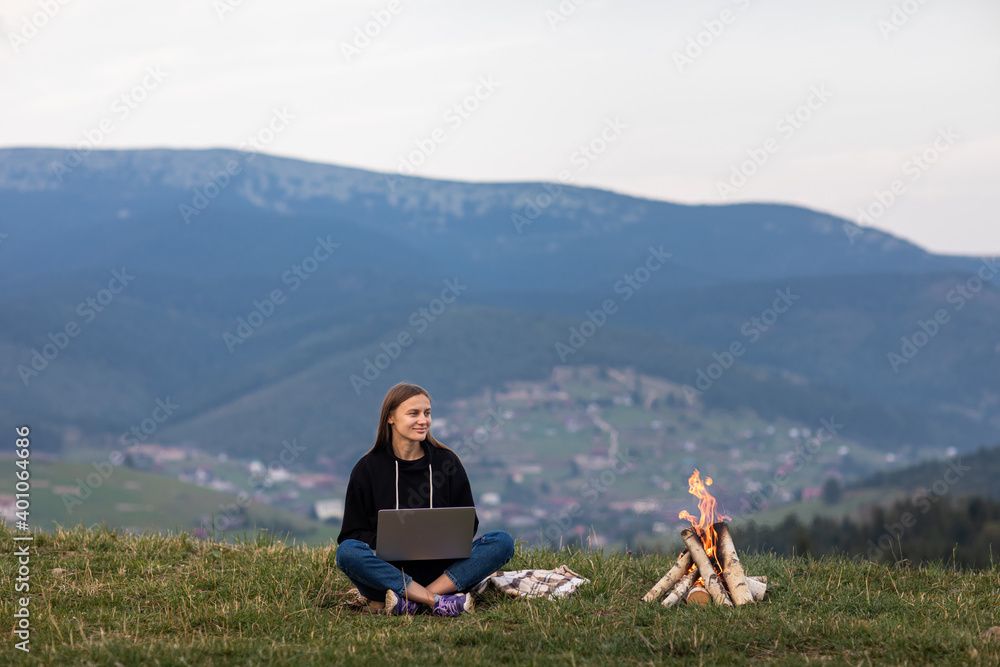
269 298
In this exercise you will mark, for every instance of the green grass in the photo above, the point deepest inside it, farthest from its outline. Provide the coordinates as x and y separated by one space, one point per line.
131 499
172 600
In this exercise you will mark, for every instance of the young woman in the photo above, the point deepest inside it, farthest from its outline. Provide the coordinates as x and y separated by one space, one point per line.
408 469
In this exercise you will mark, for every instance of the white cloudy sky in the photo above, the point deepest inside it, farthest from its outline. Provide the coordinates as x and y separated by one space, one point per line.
559 83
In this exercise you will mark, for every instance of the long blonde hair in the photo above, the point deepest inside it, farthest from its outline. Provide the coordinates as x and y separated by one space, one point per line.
400 393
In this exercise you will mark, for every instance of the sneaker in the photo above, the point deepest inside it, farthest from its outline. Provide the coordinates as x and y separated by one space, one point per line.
453 605
397 606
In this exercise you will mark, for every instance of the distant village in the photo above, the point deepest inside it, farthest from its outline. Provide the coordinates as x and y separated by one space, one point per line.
594 456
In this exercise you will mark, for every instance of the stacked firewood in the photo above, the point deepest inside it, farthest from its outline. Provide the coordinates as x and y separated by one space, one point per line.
700 577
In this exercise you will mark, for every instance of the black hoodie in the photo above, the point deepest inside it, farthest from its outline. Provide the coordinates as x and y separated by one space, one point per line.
372 487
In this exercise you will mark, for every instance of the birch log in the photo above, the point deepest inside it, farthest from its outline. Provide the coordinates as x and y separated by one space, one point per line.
757 588
708 575
681 588
672 576
732 569
698 595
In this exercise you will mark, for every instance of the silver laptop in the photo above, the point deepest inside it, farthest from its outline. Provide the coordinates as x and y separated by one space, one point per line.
425 534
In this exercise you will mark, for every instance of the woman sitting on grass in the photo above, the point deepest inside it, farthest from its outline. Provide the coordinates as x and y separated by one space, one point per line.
405 458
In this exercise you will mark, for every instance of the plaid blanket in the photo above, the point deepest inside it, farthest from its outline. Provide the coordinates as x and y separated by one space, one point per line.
534 583
524 583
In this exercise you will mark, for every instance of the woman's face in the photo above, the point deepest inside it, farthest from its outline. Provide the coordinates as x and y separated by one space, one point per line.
411 420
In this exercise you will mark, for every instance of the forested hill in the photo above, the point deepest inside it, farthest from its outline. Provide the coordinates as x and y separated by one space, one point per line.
255 312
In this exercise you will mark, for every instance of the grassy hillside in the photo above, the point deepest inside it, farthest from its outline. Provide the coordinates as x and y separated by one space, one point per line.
937 510
979 473
292 377
856 504
103 598
838 330
127 499
841 330
965 532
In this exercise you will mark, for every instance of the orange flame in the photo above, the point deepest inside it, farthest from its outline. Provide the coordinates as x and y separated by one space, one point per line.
706 505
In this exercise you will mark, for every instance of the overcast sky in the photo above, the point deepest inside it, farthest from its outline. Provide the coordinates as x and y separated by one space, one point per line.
683 92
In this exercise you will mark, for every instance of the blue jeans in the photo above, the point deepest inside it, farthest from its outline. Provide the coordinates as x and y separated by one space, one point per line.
373 576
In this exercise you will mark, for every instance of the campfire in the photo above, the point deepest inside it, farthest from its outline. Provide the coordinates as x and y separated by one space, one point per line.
708 570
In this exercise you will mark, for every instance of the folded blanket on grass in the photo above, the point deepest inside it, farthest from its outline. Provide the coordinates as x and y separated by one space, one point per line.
555 583
534 583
